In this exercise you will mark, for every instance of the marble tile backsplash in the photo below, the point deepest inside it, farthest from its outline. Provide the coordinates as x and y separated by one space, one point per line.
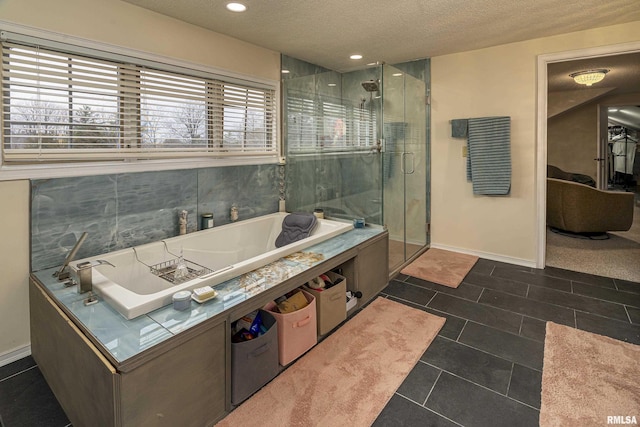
125 210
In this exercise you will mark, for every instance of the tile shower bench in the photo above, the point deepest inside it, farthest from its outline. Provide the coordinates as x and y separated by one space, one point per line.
173 367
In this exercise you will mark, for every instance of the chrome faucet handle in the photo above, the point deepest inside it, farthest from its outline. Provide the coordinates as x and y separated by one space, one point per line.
61 274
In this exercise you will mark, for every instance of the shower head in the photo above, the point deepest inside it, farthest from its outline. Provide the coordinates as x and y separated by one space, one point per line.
371 85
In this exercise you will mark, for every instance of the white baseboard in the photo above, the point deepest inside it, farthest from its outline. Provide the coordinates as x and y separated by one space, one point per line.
13 355
487 255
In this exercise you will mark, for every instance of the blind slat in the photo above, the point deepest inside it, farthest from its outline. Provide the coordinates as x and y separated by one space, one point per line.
63 106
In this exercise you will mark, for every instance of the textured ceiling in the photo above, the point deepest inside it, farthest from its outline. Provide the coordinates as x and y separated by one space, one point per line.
326 32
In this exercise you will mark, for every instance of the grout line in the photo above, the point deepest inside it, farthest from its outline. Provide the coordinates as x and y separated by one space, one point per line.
480 296
628 315
491 326
440 415
431 299
527 294
487 388
575 319
458 316
513 364
407 398
461 330
481 351
521 323
432 387
579 297
428 409
615 284
18 373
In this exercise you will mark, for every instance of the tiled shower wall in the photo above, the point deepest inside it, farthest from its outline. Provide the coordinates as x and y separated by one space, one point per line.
346 186
130 209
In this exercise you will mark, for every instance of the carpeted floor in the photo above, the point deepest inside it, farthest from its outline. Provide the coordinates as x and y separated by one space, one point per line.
348 378
588 379
617 257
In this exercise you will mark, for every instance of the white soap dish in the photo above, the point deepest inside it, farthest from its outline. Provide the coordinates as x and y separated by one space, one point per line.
204 294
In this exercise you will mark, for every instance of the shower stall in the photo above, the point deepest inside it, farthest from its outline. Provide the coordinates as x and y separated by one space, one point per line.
357 146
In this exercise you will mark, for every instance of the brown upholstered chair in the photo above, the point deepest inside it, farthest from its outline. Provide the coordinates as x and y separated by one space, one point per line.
579 208
556 172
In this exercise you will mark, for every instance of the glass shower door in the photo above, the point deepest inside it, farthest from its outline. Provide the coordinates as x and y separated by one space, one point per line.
404 164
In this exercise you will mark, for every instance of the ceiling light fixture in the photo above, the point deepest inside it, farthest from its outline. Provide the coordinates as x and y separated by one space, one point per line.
236 7
356 56
589 77
332 85
285 71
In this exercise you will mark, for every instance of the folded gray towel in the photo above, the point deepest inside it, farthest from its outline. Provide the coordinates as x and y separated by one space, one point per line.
296 226
459 128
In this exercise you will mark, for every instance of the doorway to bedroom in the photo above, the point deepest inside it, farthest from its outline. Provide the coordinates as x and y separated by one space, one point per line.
592 140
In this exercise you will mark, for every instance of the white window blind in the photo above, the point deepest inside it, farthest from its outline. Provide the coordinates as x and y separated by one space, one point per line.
63 106
328 124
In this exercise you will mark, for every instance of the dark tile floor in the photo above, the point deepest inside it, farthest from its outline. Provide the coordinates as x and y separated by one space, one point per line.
485 366
483 369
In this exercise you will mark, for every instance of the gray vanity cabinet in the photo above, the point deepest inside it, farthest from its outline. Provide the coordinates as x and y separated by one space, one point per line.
78 374
183 383
372 269
183 387
184 380
368 272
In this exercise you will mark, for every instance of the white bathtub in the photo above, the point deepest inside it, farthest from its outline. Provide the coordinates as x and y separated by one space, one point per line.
228 251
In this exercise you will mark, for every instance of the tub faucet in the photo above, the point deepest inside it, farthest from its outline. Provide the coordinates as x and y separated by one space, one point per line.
63 273
84 271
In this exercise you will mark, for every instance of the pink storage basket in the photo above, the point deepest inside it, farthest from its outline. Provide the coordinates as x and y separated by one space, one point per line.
296 330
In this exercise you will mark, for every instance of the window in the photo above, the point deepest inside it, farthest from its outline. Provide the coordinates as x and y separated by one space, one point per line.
320 122
61 105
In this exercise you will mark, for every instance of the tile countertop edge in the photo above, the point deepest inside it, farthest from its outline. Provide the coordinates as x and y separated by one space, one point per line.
123 340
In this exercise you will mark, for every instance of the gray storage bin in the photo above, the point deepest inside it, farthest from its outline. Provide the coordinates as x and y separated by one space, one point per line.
254 363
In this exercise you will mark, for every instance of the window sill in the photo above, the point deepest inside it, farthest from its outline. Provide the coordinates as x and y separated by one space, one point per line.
62 170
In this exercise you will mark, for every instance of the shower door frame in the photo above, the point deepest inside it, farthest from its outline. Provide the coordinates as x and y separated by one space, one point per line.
405 149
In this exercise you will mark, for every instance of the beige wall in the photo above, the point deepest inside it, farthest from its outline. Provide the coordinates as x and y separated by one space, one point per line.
572 140
495 81
122 24
117 23
14 264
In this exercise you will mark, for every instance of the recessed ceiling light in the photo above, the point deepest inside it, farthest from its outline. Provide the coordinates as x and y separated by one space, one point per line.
236 7
331 85
613 110
285 71
396 74
356 56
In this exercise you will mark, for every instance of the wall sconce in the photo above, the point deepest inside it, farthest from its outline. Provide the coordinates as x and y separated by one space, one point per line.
589 77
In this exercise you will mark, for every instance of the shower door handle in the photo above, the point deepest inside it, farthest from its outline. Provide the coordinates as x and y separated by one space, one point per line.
403 160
